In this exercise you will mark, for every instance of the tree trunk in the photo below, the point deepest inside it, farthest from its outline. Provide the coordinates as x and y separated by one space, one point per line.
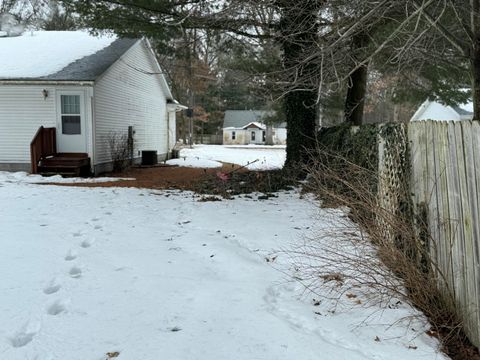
475 69
269 135
301 119
357 83
355 102
299 34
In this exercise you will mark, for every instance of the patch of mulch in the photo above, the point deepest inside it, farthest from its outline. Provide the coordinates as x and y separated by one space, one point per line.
458 347
169 177
225 182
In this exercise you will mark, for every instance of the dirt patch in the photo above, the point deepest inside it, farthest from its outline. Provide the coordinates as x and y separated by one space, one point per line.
226 181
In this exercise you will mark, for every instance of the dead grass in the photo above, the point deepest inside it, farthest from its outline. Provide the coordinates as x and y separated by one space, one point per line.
377 251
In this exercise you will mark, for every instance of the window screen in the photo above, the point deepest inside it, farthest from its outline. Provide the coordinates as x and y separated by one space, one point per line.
71 118
71 125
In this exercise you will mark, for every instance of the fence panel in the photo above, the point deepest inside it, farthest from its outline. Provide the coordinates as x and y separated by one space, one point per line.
445 158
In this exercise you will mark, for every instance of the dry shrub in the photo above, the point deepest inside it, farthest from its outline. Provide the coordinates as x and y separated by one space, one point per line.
120 149
380 253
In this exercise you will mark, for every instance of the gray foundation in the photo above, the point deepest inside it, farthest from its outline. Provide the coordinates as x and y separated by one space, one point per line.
13 167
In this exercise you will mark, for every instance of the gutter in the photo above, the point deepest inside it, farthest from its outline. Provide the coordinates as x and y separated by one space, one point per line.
171 107
48 82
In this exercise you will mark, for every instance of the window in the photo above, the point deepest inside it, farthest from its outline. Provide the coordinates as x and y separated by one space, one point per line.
234 135
264 136
253 135
71 118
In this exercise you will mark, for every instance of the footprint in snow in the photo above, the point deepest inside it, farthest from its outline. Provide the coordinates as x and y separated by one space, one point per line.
87 243
98 227
57 307
52 287
75 272
25 335
71 255
77 234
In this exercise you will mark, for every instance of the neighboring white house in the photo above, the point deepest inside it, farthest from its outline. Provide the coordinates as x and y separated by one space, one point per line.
433 110
86 88
243 127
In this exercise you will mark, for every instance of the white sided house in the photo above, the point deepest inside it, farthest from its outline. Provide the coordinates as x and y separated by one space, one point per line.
434 110
244 127
63 94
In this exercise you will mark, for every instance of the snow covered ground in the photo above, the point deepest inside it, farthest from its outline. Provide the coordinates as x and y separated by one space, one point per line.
195 162
160 275
259 157
23 177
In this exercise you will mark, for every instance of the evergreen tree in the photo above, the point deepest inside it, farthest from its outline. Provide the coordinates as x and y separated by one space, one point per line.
295 34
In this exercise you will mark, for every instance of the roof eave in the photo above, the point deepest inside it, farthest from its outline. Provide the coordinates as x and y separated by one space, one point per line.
176 106
46 82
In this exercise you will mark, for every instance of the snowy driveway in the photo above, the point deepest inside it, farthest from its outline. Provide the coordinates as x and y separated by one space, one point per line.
91 271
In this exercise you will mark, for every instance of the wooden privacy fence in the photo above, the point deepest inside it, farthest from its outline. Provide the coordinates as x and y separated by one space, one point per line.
445 180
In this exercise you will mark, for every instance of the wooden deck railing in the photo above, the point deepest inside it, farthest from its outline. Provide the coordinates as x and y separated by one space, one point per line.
44 144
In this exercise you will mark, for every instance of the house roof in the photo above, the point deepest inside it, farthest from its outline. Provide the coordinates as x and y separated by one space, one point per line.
257 125
238 119
59 55
433 110
92 66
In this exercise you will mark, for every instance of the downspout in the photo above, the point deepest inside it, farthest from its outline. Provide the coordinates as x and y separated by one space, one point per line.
94 129
168 133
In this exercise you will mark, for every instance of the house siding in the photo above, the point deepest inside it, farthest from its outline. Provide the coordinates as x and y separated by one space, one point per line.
280 136
23 109
240 137
127 97
243 136
432 110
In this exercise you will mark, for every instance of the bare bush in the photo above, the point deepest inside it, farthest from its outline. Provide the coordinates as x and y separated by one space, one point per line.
120 148
375 252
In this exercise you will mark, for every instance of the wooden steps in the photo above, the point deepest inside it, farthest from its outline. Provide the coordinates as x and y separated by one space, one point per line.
65 164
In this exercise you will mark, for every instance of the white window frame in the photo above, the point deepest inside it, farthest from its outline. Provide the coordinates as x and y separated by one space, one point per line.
79 114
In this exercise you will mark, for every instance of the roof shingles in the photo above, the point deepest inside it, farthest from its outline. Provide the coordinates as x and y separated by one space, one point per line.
240 118
90 67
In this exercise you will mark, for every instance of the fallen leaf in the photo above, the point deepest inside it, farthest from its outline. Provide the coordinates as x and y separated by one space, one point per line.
333 277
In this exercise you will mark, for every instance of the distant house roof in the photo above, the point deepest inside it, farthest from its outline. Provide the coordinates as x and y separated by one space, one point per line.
433 110
59 55
239 119
257 125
